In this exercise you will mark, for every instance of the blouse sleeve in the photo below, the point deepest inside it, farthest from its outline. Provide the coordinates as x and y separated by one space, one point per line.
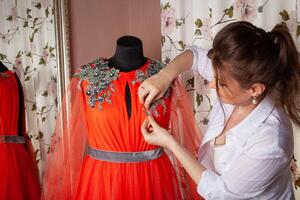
201 63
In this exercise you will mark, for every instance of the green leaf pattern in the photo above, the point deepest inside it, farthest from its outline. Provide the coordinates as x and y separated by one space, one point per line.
27 46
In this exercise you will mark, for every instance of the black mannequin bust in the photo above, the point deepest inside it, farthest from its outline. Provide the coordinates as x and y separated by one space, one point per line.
128 55
3 68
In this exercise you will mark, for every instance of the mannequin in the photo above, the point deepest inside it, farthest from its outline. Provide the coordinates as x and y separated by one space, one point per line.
3 68
128 56
102 154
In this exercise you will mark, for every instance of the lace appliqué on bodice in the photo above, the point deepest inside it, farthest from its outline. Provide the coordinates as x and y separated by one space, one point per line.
100 79
153 68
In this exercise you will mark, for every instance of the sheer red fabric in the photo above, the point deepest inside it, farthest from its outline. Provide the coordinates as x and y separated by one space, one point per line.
70 174
184 128
67 150
18 170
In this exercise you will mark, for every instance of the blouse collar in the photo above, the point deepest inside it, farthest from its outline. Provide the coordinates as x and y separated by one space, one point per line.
245 128
257 117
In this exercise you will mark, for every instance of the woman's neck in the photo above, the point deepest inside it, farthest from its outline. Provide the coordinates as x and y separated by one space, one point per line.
244 110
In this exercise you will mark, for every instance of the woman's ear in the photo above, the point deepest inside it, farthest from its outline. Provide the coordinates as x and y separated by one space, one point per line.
257 89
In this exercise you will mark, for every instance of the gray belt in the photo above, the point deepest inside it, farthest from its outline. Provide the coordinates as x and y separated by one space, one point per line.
124 157
12 139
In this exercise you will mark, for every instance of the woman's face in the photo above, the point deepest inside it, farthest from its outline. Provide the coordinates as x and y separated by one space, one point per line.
230 92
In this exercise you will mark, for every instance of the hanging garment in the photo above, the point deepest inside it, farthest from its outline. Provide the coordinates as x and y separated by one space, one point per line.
18 170
98 151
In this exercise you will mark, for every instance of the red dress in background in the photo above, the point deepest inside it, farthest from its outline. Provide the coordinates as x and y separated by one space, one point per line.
18 169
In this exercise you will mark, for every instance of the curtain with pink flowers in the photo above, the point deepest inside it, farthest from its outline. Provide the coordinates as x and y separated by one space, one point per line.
196 22
27 46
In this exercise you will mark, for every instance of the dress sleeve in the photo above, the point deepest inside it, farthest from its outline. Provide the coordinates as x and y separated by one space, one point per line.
67 147
184 128
201 63
249 175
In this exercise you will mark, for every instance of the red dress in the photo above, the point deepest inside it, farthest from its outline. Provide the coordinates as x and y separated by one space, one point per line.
111 129
18 170
104 120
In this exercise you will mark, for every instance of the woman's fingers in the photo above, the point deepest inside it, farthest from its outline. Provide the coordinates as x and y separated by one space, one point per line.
142 93
146 132
154 134
149 125
148 91
150 98
152 122
147 94
145 126
158 96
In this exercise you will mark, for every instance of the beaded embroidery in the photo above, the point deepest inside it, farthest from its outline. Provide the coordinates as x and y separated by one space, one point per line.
100 87
100 77
153 68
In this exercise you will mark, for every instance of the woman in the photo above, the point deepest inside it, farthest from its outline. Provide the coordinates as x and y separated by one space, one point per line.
247 149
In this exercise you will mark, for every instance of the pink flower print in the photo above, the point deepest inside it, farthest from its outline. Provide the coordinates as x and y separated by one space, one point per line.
205 28
18 66
51 87
245 10
45 3
14 13
46 54
200 84
18 62
32 46
168 21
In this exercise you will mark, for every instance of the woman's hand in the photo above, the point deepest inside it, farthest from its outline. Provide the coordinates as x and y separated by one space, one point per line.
154 88
156 135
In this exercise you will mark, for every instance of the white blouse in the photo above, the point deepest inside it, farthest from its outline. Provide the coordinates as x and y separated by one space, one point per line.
257 154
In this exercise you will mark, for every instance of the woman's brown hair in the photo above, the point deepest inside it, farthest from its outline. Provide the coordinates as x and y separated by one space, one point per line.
251 55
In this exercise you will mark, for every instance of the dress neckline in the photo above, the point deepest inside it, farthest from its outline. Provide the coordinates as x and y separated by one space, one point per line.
129 68
142 67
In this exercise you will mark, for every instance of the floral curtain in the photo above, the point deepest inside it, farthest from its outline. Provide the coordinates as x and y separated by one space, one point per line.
27 46
196 22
